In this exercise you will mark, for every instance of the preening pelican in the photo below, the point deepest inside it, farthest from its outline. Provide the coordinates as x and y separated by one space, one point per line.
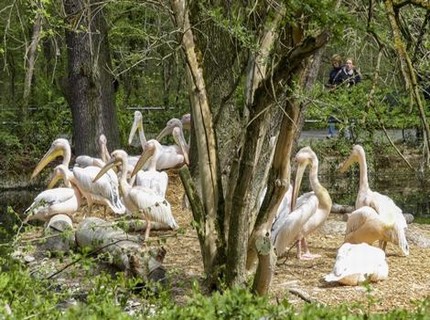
311 211
389 212
151 178
140 200
171 156
356 263
366 225
104 191
50 202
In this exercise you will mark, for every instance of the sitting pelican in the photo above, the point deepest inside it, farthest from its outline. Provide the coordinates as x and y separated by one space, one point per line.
311 211
356 263
104 192
151 178
382 204
137 199
171 156
50 202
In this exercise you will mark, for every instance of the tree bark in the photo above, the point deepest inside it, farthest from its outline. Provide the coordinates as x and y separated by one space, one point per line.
90 90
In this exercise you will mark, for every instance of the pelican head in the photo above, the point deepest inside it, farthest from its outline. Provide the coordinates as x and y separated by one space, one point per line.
60 172
149 149
170 126
60 147
119 157
186 121
356 153
137 125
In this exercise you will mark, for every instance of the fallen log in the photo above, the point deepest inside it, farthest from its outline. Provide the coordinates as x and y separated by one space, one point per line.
126 251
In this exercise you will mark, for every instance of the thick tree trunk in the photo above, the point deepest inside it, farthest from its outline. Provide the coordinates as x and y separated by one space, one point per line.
90 90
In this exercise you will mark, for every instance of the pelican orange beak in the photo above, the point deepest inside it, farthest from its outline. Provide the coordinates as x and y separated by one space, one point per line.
137 126
49 156
148 152
166 131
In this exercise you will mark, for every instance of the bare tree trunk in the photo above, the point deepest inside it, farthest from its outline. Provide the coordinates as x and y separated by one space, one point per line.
205 141
31 59
90 90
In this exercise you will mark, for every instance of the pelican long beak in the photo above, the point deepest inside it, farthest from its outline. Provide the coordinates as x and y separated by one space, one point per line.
180 141
147 153
346 164
166 131
54 179
109 165
50 155
298 181
137 126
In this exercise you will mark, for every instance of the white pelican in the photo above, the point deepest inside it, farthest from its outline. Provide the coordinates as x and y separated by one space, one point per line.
356 263
171 156
140 200
311 211
50 202
104 192
174 127
382 204
366 225
151 178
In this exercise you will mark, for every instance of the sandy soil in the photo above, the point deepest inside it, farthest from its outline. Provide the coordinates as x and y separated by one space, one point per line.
409 279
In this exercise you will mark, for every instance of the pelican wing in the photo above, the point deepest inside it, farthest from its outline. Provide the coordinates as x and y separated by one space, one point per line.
154 207
52 201
104 190
358 262
154 180
292 224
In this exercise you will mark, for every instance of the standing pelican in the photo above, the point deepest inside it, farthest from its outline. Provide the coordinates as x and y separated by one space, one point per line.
140 200
311 211
389 212
151 178
175 127
356 263
104 192
50 202
171 156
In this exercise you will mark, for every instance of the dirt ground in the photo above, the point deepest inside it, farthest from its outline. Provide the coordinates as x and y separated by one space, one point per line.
408 280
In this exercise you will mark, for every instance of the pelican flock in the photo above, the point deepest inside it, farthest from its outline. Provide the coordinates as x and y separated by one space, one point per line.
111 180
137 185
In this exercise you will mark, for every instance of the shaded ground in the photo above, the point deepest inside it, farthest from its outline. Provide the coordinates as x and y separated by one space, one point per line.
409 279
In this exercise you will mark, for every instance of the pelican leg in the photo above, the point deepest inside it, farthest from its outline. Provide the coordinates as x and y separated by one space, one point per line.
383 245
307 255
148 227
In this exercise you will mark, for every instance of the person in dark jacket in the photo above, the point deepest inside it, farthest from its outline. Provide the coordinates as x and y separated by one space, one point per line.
349 75
333 78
